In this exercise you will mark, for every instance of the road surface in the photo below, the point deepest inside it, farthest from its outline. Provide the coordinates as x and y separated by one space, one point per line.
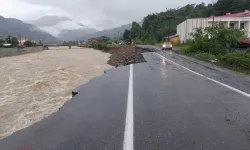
160 104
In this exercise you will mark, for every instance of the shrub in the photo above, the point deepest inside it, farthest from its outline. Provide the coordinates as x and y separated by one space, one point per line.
29 44
206 56
247 51
99 45
94 44
236 60
214 40
138 41
185 50
102 46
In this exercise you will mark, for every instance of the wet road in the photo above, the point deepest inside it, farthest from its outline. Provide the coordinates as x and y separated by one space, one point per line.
160 104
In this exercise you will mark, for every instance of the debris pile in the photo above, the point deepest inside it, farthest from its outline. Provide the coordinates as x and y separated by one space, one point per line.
125 55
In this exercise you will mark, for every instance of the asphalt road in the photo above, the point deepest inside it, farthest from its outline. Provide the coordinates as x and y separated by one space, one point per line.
160 104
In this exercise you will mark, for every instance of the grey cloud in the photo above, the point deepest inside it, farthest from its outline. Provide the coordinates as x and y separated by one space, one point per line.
118 11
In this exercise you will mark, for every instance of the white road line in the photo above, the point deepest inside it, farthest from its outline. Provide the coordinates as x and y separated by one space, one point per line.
128 143
227 86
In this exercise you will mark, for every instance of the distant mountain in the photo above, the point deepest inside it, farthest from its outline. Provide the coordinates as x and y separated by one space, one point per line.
111 33
15 27
67 29
63 28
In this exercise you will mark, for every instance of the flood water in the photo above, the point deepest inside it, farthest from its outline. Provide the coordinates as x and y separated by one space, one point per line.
34 86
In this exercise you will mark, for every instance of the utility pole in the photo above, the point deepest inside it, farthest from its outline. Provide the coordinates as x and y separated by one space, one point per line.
20 39
213 3
186 28
170 16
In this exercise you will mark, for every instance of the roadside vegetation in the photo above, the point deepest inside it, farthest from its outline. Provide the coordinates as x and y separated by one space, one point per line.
218 45
101 43
104 43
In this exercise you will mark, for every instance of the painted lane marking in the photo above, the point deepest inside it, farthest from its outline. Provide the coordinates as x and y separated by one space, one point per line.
128 143
225 85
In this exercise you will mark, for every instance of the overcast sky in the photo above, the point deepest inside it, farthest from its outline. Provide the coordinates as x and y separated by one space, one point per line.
89 12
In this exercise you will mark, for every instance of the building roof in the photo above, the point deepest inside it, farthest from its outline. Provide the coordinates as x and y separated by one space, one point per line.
172 36
245 42
241 14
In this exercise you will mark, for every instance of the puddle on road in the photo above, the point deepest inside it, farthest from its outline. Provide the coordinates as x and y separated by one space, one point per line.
34 86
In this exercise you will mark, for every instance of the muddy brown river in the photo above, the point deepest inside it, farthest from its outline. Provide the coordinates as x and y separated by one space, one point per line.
34 86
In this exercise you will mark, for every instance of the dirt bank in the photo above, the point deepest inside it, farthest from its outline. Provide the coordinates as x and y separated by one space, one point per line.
34 86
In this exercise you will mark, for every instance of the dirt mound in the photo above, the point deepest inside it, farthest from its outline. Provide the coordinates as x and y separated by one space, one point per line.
125 55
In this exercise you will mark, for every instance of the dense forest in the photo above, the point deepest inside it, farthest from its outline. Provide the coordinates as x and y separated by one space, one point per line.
157 26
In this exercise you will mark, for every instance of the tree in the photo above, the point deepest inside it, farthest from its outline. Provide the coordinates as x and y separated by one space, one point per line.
238 5
201 6
215 39
14 41
2 41
126 34
135 31
247 6
234 6
29 44
8 39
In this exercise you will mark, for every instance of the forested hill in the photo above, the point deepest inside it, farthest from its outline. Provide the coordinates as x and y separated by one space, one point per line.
159 25
233 6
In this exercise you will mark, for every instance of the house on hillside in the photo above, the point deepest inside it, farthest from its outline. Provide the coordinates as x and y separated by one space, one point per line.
229 20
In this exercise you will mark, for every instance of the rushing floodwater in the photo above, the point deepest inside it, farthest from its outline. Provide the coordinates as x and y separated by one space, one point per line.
34 86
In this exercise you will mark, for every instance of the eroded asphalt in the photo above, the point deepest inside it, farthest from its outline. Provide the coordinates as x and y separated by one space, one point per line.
173 108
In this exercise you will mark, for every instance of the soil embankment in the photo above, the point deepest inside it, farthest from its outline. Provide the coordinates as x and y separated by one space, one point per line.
125 55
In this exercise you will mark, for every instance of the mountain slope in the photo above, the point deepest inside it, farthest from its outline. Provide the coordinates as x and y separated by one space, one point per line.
111 33
15 27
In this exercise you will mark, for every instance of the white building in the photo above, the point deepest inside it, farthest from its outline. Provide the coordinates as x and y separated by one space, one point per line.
238 20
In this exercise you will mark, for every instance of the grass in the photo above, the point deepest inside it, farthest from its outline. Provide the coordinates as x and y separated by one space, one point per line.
206 56
158 44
